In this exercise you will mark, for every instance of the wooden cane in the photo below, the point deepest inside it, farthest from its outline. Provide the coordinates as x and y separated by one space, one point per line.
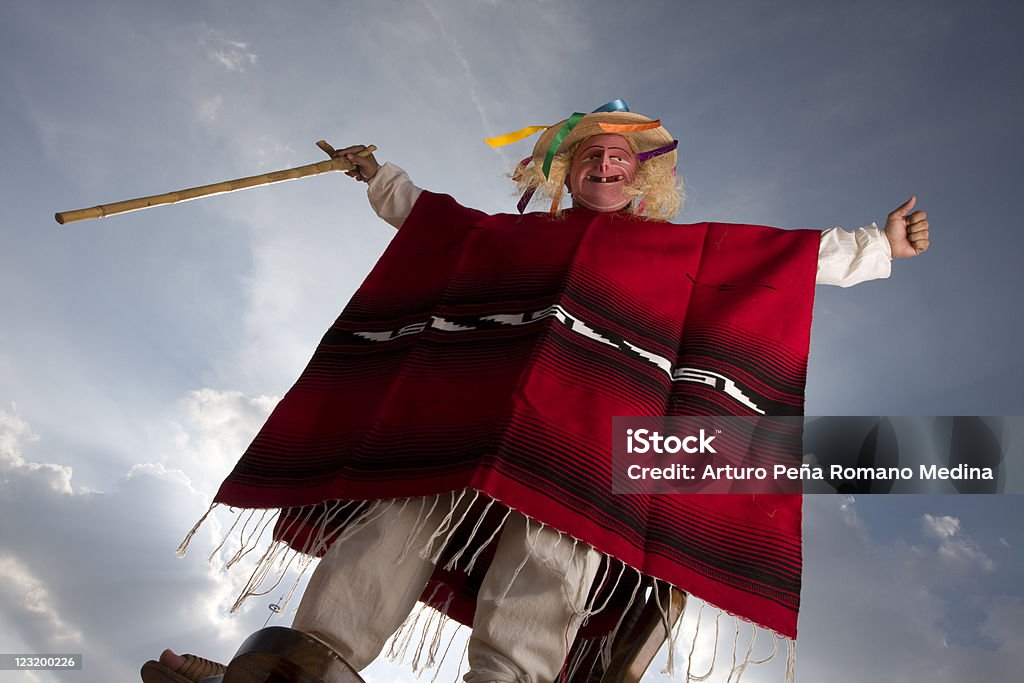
337 162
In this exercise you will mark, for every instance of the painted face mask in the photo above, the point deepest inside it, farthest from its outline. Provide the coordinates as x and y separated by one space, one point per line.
601 167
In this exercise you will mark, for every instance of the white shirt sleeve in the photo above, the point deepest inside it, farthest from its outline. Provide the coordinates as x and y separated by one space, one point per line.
849 258
844 258
392 194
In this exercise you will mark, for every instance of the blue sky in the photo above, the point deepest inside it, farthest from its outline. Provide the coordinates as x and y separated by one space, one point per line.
139 354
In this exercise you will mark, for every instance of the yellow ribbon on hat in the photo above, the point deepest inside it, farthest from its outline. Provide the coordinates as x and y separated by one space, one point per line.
614 105
516 136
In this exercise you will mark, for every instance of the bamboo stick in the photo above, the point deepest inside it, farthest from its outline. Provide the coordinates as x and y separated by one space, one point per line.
335 163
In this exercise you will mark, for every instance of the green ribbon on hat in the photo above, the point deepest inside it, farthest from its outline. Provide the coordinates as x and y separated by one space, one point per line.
562 133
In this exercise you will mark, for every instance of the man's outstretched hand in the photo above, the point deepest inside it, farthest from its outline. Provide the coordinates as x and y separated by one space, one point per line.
365 166
907 232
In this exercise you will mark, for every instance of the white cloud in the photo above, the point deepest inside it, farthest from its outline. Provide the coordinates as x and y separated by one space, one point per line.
942 528
213 429
15 471
233 55
955 549
13 431
96 572
965 553
28 600
882 611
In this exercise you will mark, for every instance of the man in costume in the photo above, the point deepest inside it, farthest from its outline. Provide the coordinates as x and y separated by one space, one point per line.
448 440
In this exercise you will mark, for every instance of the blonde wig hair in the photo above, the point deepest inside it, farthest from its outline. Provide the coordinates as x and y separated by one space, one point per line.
657 190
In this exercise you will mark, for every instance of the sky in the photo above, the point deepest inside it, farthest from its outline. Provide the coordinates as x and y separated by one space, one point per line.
139 354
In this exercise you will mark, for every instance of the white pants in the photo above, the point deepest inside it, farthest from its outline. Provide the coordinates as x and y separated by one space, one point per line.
360 594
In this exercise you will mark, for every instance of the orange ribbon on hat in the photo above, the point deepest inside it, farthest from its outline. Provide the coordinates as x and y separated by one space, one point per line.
629 127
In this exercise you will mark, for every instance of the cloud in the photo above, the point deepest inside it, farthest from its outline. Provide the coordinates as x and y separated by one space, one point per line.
26 599
233 55
15 471
942 528
13 430
101 564
897 610
213 428
96 572
955 549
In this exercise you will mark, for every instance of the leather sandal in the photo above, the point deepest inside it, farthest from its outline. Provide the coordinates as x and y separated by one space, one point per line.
194 670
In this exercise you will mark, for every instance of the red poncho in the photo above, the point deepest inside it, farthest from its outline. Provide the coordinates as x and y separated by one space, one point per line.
491 352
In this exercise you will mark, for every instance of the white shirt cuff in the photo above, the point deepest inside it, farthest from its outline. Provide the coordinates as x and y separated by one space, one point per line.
849 258
392 194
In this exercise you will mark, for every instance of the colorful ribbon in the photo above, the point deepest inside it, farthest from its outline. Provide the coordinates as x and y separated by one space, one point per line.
516 136
525 199
629 127
566 128
509 138
650 154
614 105
570 123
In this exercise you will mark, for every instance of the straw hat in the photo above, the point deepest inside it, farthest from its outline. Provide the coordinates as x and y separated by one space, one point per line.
590 125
